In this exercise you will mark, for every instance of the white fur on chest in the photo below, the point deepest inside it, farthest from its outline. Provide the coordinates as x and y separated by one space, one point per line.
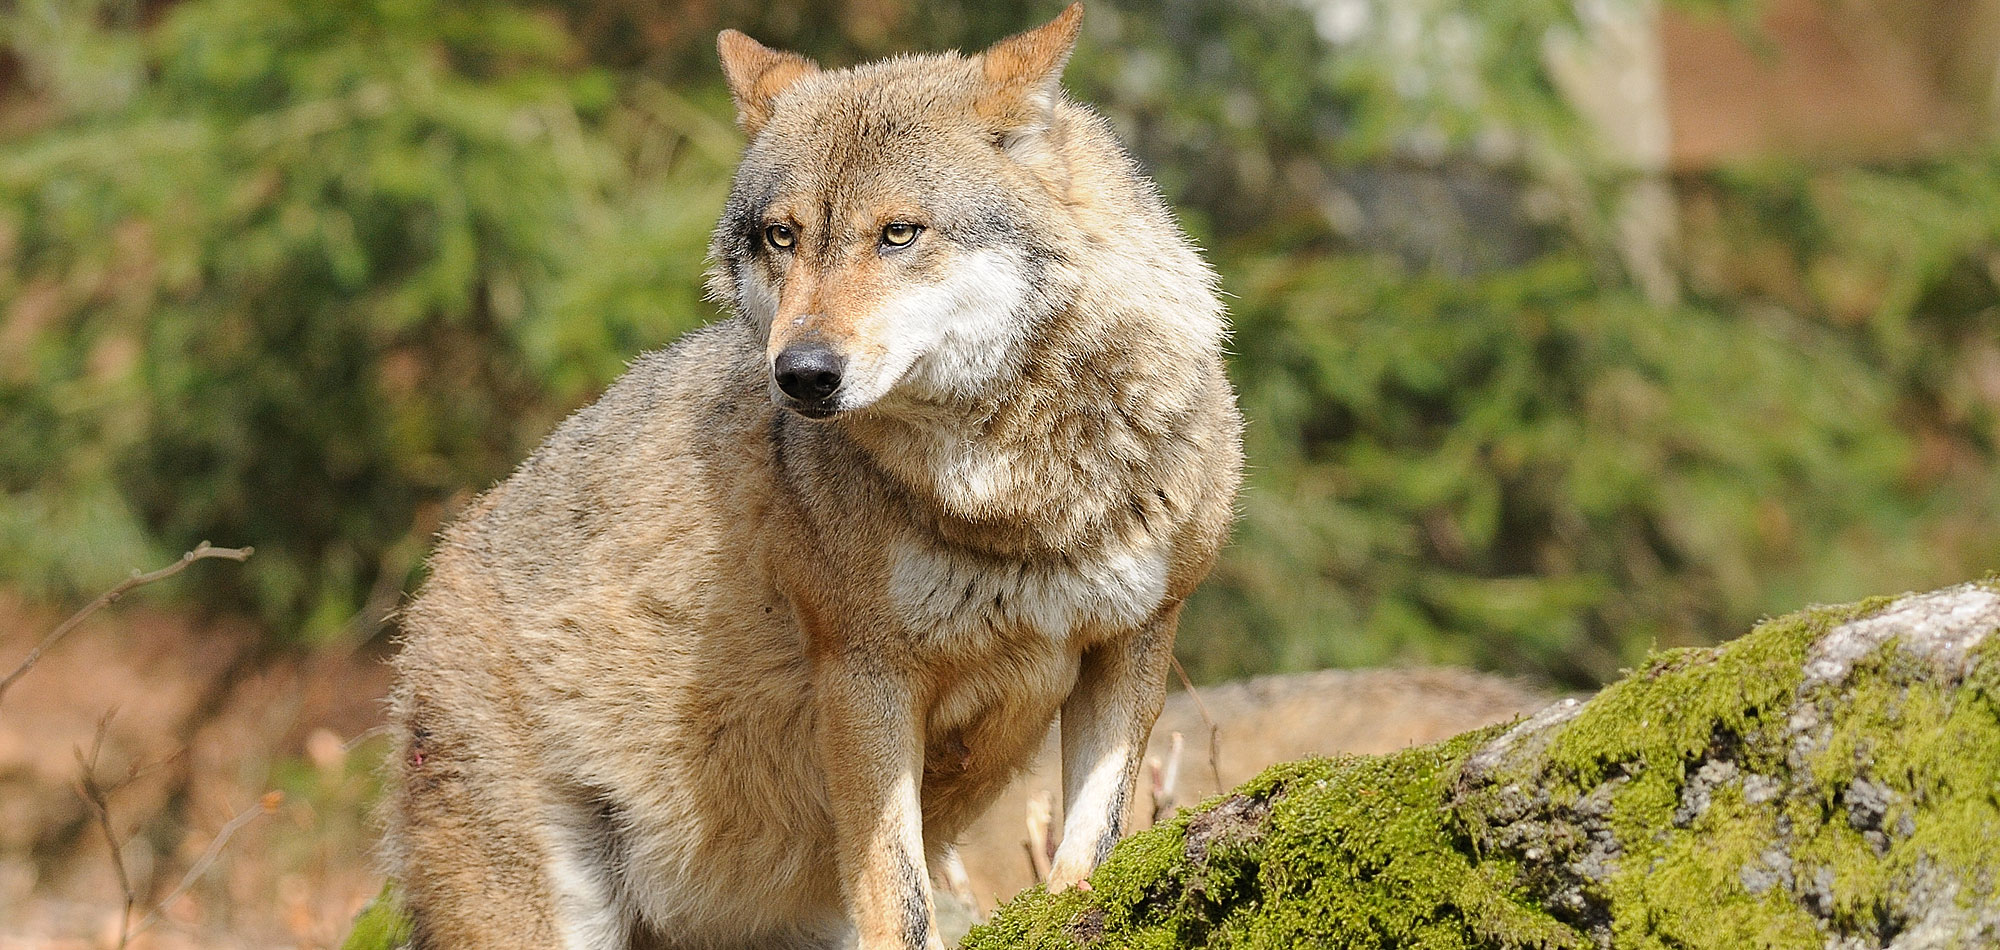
959 594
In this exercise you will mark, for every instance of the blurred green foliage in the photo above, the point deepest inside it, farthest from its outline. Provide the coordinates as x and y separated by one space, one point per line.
303 274
306 270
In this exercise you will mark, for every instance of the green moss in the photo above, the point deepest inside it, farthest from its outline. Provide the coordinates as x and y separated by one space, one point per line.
1716 798
381 925
1604 833
1351 852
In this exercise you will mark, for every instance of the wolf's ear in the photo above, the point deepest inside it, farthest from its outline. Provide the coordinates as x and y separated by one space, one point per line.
757 73
1023 75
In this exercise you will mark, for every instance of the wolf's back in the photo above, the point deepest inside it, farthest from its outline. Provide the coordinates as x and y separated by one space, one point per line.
633 457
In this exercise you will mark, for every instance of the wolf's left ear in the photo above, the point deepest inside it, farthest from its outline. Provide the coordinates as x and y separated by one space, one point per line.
1024 74
757 74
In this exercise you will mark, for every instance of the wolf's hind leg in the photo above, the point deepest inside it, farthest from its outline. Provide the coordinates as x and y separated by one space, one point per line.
586 858
487 861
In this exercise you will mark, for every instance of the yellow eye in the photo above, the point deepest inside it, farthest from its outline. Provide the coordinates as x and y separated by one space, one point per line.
900 234
779 236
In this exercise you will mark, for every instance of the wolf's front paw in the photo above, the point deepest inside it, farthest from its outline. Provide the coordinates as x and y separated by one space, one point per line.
1065 875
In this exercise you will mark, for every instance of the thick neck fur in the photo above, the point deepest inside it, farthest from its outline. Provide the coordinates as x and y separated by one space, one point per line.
1073 454
1081 441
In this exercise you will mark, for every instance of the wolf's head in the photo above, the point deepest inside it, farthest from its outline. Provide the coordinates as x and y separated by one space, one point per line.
897 228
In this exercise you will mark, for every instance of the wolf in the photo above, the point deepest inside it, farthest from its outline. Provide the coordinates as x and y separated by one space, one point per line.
745 645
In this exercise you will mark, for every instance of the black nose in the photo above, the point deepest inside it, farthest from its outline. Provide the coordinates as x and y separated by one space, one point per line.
808 372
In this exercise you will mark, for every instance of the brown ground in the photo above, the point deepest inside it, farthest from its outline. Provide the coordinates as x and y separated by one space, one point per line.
198 729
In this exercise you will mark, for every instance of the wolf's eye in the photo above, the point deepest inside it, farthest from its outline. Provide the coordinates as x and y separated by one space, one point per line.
779 236
900 234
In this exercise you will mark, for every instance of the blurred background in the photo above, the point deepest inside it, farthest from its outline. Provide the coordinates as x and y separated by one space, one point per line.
1565 330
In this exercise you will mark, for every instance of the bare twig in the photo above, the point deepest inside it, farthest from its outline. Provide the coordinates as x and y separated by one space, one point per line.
956 880
365 735
201 551
1153 769
1041 813
1214 731
96 796
376 610
267 804
1165 777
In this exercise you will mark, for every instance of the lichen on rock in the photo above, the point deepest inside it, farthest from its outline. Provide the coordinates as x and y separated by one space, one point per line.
1831 780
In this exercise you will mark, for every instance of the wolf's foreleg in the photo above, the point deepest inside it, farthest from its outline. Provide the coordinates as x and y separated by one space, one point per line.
1105 723
873 760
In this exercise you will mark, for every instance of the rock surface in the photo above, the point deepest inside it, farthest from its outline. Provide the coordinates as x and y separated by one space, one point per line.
1830 780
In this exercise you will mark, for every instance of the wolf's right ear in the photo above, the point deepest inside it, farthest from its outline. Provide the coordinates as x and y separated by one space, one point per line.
757 74
1023 75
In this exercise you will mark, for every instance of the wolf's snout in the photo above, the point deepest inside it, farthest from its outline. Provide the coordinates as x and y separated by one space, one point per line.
808 372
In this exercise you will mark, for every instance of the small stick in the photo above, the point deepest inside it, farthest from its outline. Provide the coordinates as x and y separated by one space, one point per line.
1040 812
266 804
1153 769
201 551
365 735
93 794
1214 731
1164 779
956 881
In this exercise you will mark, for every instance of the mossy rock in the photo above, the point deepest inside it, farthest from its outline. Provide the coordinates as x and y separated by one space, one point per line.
381 925
1831 780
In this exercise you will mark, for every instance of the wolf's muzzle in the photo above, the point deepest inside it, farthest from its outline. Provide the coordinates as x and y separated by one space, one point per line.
810 374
